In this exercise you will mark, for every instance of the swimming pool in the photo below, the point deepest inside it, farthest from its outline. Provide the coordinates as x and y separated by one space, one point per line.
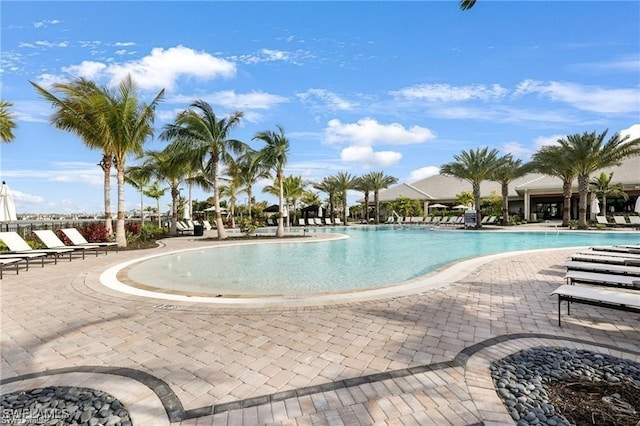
371 257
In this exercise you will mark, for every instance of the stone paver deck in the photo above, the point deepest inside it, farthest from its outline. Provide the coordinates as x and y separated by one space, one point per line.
417 357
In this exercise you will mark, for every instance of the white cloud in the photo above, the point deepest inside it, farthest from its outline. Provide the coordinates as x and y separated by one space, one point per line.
275 55
160 69
23 197
366 156
448 93
542 141
422 173
516 149
43 44
325 99
368 131
242 101
586 98
626 64
633 132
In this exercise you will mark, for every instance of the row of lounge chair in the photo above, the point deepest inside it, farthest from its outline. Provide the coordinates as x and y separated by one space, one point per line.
616 267
311 221
634 221
439 220
189 226
21 253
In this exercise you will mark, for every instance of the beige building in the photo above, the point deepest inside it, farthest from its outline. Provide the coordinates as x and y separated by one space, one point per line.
533 196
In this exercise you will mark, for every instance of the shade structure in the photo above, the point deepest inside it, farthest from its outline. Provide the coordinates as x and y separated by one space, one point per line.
320 211
213 209
274 208
460 207
637 207
595 206
438 206
187 211
7 205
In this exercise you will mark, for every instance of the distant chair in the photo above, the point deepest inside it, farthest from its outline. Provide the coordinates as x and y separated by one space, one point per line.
77 239
390 220
327 221
207 225
19 246
602 220
51 241
634 220
317 221
337 221
301 222
620 220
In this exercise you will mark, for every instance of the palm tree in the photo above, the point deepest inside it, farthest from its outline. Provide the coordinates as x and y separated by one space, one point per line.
201 136
553 161
602 186
250 173
7 122
139 182
232 187
345 181
273 156
77 111
156 192
293 187
473 166
467 4
365 185
590 153
165 166
380 181
507 170
328 186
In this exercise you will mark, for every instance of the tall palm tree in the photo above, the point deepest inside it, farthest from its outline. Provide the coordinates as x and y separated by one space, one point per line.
329 187
273 156
473 166
156 192
365 185
602 186
129 124
250 173
77 111
231 189
506 171
345 181
380 181
7 122
199 134
590 153
553 161
139 182
293 187
164 166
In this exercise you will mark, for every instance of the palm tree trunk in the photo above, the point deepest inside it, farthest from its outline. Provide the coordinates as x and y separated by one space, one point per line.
566 208
505 204
476 199
604 204
158 207
583 189
280 230
249 202
376 200
344 207
222 233
121 238
175 193
105 165
141 209
366 206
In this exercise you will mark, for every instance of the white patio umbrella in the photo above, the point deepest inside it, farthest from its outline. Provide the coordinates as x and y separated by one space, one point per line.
319 211
595 206
187 211
460 207
7 205
437 206
637 207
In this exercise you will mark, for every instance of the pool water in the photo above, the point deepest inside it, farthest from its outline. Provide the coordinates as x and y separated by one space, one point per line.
371 257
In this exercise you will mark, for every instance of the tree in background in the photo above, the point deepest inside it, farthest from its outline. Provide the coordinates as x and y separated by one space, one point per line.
473 166
380 181
329 187
345 181
156 192
602 187
7 122
506 171
589 153
273 156
204 138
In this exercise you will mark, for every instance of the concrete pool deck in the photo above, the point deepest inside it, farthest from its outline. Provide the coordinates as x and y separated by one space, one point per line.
417 357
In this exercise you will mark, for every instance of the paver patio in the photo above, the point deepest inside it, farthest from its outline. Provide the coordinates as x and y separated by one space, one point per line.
420 358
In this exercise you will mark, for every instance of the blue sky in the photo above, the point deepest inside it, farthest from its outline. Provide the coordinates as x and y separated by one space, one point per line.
358 86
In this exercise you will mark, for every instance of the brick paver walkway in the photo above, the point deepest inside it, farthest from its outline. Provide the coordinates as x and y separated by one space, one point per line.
419 358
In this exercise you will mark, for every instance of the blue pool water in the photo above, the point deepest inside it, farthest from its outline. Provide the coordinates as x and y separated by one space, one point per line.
372 256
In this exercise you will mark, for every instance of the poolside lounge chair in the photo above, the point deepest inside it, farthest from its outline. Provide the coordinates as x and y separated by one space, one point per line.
207 225
620 220
634 220
9 261
26 257
317 221
492 220
597 278
608 268
337 221
51 240
301 222
327 221
182 227
19 246
77 239
390 219
602 220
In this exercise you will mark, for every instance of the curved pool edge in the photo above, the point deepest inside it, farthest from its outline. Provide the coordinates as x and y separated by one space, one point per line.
444 276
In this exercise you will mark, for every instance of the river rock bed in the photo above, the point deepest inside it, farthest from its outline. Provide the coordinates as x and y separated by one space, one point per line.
63 405
522 380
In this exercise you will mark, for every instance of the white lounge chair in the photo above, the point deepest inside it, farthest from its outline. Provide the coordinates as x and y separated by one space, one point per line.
634 220
620 220
77 239
17 245
337 221
317 221
51 241
602 220
610 280
207 225
26 257
625 301
9 261
327 221
608 268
